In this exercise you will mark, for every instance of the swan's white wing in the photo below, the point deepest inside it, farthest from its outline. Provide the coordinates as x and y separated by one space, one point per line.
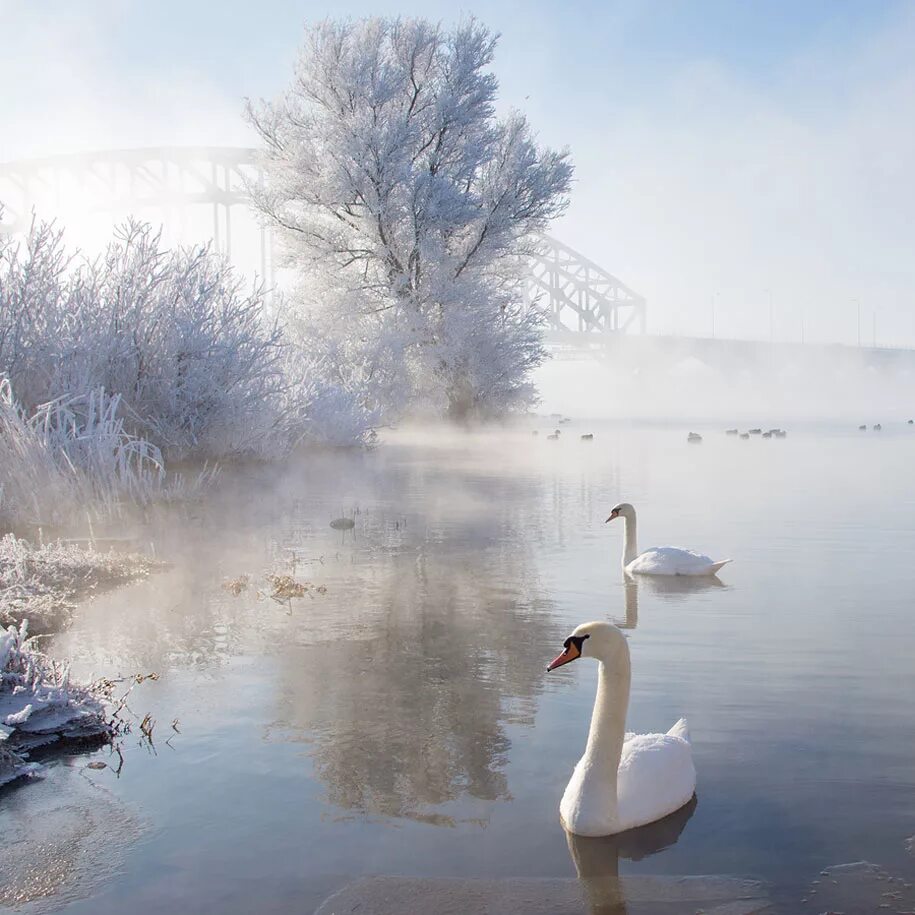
656 776
671 560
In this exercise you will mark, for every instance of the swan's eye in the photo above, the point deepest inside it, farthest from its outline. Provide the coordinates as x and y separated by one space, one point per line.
575 640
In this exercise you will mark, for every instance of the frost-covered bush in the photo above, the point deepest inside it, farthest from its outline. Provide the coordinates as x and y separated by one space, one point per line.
330 398
73 456
191 354
42 583
410 210
147 352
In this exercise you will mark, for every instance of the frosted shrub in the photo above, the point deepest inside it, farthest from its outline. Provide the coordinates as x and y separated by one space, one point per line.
173 333
329 399
42 583
34 312
192 366
72 456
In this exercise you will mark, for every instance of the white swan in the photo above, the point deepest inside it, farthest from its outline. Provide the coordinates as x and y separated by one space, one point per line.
623 780
659 560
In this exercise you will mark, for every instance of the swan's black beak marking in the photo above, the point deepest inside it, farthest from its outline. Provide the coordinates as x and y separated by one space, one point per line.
572 650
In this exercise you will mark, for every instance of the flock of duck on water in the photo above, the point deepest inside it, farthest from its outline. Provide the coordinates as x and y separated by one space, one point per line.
772 433
877 427
695 437
627 780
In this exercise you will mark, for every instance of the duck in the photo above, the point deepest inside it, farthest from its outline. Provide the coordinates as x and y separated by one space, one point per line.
730 431
694 437
767 435
553 437
756 432
623 780
862 428
878 427
744 434
664 560
588 437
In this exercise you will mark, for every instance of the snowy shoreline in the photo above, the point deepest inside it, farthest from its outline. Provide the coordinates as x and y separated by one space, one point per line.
39 705
43 583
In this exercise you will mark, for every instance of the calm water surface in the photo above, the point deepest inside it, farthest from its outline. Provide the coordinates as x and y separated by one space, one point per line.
403 722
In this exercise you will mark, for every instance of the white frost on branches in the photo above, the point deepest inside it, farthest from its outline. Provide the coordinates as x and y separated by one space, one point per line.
109 367
409 209
171 332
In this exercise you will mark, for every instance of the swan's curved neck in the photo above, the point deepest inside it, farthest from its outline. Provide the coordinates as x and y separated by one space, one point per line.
608 721
630 550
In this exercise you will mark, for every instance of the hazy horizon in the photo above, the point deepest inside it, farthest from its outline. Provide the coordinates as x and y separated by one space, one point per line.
727 155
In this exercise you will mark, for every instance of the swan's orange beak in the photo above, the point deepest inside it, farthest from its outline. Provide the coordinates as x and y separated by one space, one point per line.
612 516
569 654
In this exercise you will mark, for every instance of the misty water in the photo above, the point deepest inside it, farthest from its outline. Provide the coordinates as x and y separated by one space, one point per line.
403 722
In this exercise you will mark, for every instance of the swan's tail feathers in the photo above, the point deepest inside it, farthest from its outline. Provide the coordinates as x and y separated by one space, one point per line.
717 566
680 729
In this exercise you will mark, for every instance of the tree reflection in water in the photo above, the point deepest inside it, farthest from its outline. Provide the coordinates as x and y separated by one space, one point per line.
407 697
428 643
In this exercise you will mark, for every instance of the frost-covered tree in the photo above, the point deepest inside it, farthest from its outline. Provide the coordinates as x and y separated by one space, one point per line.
410 209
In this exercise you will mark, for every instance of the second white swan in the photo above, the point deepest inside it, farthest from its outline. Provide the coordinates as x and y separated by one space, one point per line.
659 560
623 780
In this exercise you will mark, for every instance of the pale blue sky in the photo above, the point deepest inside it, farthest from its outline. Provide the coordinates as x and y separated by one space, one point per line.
723 148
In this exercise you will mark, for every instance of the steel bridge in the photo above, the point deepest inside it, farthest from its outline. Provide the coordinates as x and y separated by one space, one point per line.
200 193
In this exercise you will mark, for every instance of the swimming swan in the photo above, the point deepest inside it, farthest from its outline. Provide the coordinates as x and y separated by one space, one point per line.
623 780
659 560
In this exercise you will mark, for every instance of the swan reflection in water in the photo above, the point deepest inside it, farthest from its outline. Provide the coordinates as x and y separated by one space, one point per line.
631 593
669 588
674 587
596 860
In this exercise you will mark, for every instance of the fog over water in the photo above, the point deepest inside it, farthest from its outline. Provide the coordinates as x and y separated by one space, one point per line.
403 722
733 382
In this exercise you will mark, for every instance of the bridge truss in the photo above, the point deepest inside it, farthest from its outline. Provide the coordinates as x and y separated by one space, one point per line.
192 191
175 186
582 298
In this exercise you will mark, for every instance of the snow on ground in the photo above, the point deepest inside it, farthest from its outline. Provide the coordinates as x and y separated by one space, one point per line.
39 705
